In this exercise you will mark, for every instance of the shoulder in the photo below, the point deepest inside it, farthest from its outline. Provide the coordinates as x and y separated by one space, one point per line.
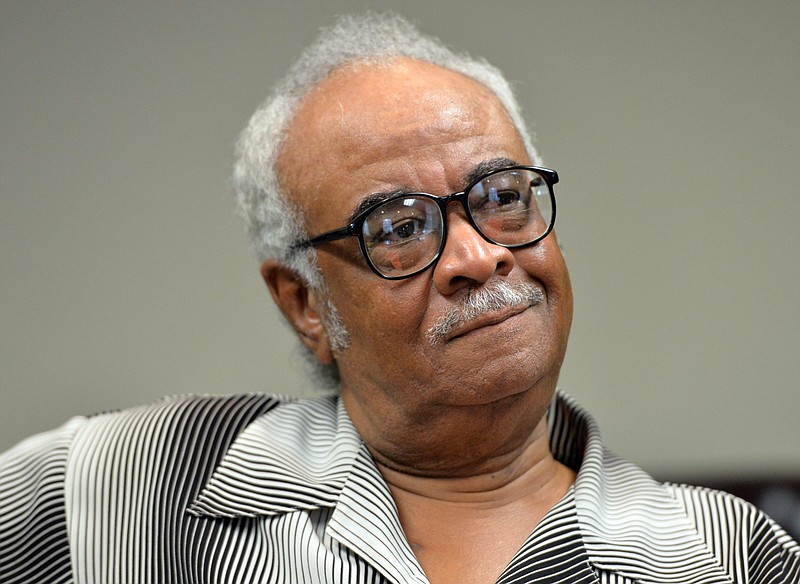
710 507
734 528
175 435
33 525
163 450
177 418
174 420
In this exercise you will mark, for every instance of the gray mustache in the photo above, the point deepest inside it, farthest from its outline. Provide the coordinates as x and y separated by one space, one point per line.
489 298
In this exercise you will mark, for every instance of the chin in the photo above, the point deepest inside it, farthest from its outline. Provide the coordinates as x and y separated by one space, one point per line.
505 388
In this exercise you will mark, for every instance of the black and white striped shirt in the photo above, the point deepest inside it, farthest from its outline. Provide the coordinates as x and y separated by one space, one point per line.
253 488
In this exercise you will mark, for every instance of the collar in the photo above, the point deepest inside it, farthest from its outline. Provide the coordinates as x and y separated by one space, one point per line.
296 456
630 523
307 454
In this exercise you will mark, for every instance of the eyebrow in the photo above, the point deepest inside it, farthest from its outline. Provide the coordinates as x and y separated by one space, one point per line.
374 199
486 167
472 176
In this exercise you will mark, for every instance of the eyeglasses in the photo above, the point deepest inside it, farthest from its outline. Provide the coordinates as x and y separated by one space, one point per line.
405 234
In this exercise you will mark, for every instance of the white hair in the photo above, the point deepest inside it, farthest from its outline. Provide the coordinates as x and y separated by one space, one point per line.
273 222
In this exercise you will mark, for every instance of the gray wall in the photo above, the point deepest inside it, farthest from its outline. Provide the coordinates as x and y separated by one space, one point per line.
124 274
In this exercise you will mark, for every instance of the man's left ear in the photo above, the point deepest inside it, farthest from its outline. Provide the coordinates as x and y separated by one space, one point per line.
301 307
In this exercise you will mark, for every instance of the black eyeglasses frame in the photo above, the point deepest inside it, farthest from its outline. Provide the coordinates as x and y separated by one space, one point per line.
354 229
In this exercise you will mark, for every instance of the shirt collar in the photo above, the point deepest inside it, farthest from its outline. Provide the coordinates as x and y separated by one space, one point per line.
630 523
307 454
296 456
303 456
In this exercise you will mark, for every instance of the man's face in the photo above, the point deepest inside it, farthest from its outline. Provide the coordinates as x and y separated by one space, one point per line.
416 127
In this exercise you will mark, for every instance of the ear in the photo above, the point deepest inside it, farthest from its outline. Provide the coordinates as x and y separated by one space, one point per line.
301 307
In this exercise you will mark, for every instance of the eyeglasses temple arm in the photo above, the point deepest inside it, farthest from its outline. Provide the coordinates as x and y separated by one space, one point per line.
325 237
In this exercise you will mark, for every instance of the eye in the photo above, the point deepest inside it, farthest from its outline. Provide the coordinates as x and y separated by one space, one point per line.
399 230
501 198
401 221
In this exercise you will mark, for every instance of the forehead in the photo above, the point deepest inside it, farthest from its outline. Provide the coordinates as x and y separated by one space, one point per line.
402 124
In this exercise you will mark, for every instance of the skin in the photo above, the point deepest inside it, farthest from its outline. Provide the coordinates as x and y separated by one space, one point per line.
458 429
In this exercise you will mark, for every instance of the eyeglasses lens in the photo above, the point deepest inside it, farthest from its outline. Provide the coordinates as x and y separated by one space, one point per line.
512 207
403 235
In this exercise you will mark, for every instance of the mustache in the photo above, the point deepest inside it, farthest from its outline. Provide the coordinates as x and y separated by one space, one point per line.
488 298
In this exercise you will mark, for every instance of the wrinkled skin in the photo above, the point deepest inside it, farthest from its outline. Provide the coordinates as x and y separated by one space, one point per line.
463 418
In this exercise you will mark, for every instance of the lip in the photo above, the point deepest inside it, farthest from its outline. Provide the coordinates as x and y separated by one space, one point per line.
487 320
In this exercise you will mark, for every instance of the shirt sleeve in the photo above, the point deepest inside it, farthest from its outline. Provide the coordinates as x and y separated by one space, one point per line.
34 544
774 557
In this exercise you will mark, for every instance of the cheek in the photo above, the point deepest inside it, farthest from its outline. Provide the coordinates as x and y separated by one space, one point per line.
376 312
386 344
545 264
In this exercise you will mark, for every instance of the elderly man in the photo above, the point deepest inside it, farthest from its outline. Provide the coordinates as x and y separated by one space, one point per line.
404 224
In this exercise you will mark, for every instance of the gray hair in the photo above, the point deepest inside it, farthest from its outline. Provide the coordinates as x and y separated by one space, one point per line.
273 222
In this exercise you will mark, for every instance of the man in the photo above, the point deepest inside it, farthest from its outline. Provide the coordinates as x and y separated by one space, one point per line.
404 224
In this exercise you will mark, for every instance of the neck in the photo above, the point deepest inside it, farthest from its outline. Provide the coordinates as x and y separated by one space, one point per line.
467 528
470 481
480 446
526 471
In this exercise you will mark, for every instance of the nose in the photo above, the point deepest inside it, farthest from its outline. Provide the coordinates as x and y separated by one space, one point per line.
468 259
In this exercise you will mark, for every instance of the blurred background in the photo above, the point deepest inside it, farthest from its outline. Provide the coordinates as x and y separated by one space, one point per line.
675 127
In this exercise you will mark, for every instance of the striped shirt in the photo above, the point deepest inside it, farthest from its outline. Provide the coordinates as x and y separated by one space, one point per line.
254 488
